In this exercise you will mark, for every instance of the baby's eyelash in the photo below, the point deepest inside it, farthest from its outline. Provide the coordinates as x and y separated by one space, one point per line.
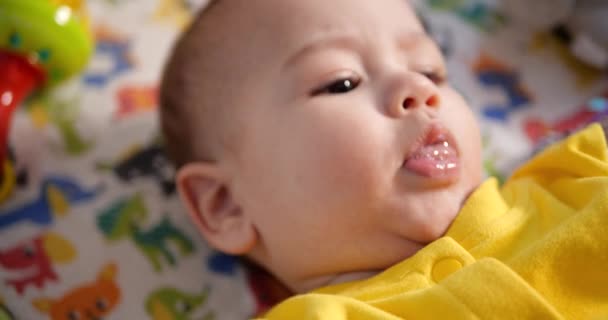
435 76
340 86
345 85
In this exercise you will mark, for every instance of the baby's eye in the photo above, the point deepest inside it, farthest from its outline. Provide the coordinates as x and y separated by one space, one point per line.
340 86
435 76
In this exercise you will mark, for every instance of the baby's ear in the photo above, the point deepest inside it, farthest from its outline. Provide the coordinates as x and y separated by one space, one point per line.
214 210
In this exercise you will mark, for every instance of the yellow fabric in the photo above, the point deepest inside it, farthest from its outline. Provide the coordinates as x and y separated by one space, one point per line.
536 249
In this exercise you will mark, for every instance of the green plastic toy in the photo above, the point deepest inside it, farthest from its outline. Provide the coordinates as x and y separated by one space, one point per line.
42 42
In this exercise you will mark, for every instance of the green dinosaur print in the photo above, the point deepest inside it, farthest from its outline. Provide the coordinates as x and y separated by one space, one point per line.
173 304
476 13
124 220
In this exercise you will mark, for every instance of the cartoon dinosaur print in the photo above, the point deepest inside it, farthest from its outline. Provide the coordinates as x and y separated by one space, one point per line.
592 111
477 13
150 161
494 74
35 258
136 99
222 263
115 47
91 301
173 304
124 219
56 196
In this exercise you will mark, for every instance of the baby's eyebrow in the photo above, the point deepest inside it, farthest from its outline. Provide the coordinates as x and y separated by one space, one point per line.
408 40
346 42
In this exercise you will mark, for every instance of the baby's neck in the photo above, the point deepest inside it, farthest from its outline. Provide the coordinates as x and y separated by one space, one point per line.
339 279
314 283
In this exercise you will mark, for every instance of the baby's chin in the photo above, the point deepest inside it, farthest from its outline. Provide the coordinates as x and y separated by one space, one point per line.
448 211
453 208
437 212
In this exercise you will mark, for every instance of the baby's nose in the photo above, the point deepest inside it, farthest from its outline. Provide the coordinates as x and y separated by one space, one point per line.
423 93
413 91
413 101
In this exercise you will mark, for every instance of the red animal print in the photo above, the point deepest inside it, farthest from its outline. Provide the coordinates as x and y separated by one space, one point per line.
34 259
133 100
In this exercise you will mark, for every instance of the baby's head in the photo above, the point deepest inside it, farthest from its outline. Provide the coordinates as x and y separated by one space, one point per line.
318 138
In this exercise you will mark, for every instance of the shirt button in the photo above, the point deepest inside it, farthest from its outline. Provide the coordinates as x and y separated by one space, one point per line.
445 267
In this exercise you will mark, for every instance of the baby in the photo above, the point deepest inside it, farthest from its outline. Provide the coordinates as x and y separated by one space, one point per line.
321 140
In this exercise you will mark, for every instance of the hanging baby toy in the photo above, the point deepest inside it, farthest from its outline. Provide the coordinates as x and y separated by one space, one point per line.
42 42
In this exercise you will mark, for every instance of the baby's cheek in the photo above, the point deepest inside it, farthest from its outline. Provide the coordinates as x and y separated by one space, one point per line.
334 154
458 116
351 162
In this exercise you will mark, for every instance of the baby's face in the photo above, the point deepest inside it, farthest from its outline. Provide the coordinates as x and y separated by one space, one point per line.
353 151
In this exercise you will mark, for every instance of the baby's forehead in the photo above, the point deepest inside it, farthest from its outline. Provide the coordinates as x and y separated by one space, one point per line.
283 25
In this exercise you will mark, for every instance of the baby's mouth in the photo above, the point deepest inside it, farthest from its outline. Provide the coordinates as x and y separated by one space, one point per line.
435 157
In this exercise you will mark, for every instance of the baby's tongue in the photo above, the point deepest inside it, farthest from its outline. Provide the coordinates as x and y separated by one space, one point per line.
434 161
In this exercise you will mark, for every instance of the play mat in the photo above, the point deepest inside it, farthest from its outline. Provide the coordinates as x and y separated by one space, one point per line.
94 221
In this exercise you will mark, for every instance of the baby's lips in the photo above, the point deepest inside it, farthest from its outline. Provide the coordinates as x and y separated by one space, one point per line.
436 157
440 135
434 161
434 134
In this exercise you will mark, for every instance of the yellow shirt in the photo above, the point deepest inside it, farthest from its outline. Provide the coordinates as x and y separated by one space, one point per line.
537 249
